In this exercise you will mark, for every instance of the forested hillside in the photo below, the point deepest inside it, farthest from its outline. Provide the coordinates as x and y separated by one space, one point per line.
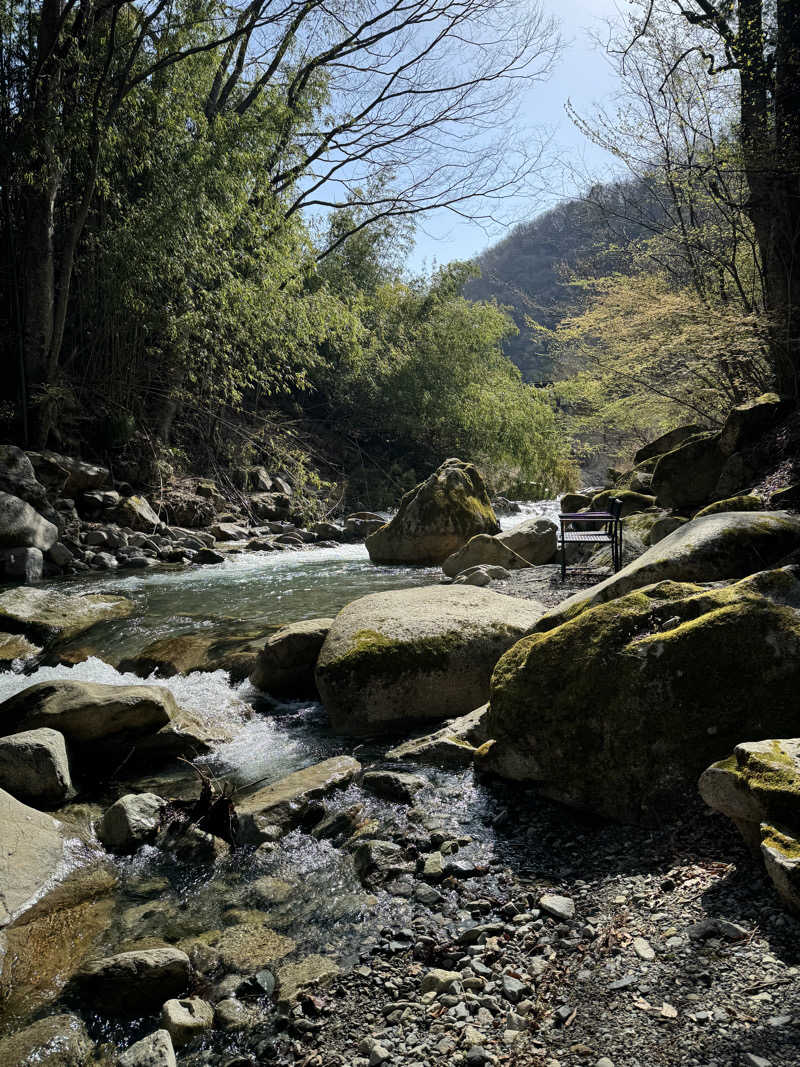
201 248
532 270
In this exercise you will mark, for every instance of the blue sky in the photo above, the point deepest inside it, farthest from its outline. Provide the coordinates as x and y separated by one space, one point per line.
581 75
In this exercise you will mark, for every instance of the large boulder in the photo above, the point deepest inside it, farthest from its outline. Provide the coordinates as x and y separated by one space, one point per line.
413 655
135 982
436 518
708 549
135 512
667 442
45 615
618 710
746 422
23 527
34 767
18 477
759 783
285 665
758 787
31 855
687 477
572 502
66 474
56 1041
528 544
94 718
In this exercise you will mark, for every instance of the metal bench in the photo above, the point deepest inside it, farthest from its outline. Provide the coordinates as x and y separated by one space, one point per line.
607 531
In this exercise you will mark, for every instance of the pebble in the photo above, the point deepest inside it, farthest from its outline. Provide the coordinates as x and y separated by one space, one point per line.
643 949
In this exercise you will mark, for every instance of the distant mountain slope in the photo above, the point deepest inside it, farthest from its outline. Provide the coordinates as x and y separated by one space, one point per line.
529 270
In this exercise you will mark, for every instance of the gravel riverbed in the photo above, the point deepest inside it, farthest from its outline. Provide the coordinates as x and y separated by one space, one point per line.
566 941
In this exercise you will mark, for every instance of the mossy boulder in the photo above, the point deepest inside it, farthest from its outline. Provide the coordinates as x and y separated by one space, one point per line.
733 503
687 477
528 544
642 522
746 422
572 502
708 549
781 854
416 655
759 783
619 710
758 787
667 442
736 477
436 518
631 502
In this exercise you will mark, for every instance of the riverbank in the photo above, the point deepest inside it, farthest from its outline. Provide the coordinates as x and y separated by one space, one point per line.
370 906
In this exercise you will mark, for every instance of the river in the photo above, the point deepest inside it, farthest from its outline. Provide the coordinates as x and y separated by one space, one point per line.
327 911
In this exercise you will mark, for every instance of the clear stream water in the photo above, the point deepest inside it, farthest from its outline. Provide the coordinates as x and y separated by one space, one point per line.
328 911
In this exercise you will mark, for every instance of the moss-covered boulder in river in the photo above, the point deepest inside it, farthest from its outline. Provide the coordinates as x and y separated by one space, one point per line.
416 655
708 549
436 518
619 710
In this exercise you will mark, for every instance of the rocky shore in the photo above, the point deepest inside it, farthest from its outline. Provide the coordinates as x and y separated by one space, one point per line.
498 852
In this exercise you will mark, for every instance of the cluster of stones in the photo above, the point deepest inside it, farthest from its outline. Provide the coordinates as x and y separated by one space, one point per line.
60 515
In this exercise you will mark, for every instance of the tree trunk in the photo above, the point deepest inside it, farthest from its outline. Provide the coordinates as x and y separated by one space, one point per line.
771 146
39 256
38 282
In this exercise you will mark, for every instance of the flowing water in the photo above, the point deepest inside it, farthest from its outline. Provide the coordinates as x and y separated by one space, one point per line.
327 910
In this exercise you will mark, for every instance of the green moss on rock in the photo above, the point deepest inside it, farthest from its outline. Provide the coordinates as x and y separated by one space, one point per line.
619 709
436 518
750 502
